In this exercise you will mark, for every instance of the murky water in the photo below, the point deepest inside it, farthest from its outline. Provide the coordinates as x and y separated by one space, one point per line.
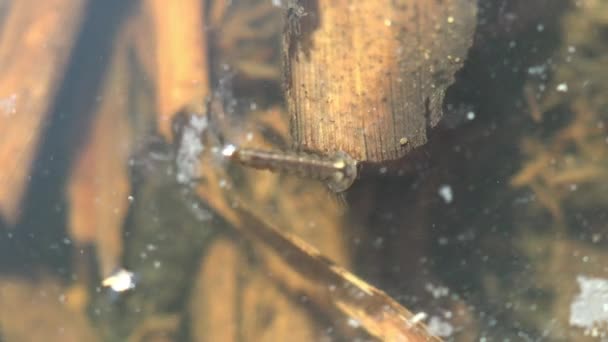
494 230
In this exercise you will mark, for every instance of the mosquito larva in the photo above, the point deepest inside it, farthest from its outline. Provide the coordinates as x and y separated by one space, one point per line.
338 171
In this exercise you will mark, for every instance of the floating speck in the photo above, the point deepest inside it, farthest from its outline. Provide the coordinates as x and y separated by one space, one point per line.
445 191
353 323
450 20
537 70
419 317
228 150
470 115
120 281
588 309
440 327
562 87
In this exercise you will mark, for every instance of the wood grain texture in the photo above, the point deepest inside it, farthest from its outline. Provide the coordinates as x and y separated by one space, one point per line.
35 44
363 76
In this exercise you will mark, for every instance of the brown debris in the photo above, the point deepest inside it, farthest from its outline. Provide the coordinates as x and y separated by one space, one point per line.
99 186
574 156
214 304
35 44
38 311
363 75
234 299
298 268
245 35
180 69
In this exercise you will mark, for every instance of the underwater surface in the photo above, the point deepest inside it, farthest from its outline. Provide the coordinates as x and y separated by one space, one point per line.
123 217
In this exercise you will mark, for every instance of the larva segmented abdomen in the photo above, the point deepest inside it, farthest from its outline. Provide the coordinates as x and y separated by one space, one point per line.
338 171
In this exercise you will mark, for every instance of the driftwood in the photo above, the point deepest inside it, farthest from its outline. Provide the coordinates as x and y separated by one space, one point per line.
99 185
180 66
368 77
298 269
35 45
302 270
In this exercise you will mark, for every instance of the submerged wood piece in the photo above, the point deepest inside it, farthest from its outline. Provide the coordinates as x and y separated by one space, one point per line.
261 310
214 302
180 49
233 301
99 185
303 270
38 310
35 45
368 77
298 268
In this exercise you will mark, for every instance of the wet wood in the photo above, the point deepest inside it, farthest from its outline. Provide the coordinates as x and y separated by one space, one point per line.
353 307
99 186
38 310
180 66
369 77
214 303
233 301
35 45
283 313
329 286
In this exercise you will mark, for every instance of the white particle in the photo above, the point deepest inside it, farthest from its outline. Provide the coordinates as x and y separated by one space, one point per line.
440 327
353 323
445 191
537 70
471 115
387 22
228 150
588 309
120 281
421 316
540 27
562 87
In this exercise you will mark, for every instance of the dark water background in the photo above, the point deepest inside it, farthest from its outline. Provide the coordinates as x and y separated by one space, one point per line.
495 254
